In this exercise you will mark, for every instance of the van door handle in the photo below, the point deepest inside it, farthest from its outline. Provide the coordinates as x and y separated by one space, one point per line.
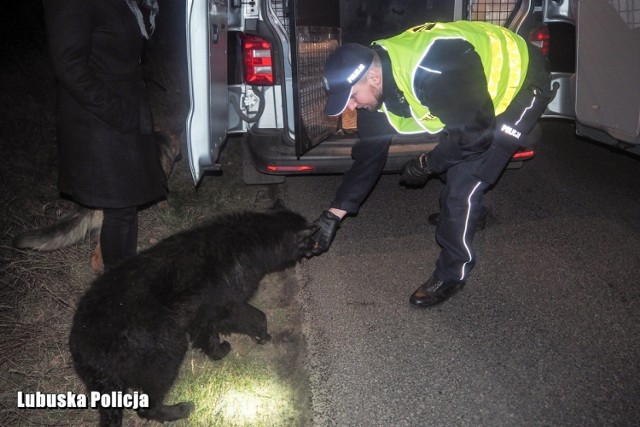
215 33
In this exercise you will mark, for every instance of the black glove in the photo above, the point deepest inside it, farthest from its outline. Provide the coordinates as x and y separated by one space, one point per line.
416 171
327 224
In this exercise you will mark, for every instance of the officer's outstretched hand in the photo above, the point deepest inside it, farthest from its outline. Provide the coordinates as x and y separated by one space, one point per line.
416 172
327 224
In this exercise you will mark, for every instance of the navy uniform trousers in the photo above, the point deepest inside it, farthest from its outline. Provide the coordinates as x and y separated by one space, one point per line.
466 181
461 204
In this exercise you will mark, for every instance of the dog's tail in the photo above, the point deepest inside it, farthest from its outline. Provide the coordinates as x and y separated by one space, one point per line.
72 228
82 221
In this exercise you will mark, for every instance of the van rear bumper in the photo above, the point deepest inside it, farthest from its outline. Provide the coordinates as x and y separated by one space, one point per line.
270 154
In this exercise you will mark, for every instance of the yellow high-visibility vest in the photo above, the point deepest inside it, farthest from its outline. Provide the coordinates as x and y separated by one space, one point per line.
503 53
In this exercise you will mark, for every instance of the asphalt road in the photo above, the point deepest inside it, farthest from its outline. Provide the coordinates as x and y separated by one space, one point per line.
546 332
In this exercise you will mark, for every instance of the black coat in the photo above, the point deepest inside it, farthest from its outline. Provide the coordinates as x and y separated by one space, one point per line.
107 154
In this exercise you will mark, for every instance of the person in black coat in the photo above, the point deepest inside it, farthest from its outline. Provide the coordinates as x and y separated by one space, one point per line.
108 158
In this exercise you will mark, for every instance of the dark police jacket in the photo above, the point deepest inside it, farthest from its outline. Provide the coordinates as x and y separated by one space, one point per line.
458 97
107 155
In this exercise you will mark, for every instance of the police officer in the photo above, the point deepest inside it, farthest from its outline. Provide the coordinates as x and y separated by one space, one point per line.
479 86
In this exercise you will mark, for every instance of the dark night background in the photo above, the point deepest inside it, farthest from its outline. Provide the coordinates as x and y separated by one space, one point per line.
21 28
23 35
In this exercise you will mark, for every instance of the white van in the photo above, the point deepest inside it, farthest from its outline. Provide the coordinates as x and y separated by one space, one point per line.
255 67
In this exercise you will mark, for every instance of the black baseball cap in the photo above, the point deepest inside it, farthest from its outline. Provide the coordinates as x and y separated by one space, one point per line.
344 67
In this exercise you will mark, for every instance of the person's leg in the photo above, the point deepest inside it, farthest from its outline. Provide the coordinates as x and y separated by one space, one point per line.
119 235
461 204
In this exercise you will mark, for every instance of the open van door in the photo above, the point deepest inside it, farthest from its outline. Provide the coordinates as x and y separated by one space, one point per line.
206 127
607 72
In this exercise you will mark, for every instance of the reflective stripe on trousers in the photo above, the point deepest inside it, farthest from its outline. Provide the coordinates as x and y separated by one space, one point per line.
461 203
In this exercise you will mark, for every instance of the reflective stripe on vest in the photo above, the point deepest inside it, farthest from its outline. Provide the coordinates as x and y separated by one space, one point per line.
503 54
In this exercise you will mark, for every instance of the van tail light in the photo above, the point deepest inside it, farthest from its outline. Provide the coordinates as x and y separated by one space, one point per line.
301 168
541 38
523 155
258 65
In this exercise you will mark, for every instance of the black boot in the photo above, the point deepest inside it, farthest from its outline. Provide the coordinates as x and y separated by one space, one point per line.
434 291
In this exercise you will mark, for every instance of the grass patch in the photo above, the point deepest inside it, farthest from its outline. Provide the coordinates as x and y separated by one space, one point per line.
235 392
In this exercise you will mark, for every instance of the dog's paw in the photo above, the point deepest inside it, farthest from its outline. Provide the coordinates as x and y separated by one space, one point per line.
163 413
262 339
220 351
185 409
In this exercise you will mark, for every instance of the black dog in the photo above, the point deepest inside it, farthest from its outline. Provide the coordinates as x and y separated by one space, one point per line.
132 327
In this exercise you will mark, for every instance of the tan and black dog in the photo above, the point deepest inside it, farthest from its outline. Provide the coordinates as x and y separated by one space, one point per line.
82 222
